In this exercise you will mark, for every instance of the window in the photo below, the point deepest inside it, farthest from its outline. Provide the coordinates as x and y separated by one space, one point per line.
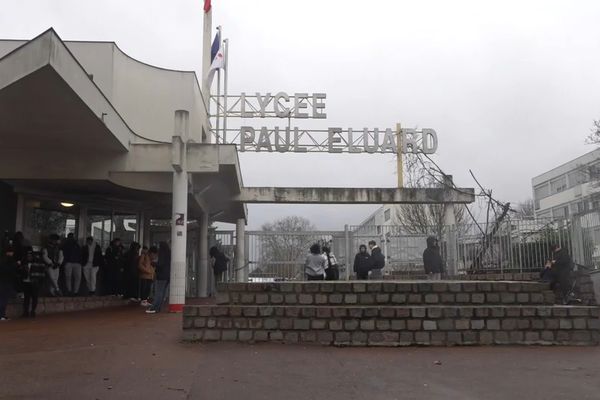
559 184
541 191
387 214
577 177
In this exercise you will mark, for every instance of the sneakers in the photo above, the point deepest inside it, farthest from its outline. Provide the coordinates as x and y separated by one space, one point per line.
150 311
4 319
144 303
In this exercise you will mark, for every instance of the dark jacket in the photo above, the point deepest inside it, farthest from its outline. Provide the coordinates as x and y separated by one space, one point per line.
361 262
221 261
8 269
432 260
113 258
377 259
562 260
97 261
72 251
163 266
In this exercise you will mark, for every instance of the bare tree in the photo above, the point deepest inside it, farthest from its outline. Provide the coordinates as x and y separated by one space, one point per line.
525 209
594 136
283 246
424 219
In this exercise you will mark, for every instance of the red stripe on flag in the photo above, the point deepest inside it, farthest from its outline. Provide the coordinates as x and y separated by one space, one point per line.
206 6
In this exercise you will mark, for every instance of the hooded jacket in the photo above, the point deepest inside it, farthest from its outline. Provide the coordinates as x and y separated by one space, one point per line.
377 259
432 260
361 262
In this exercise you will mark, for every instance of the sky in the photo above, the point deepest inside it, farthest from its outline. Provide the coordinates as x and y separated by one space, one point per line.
511 87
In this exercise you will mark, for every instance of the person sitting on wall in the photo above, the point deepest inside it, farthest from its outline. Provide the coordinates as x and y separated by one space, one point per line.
332 272
546 274
377 261
432 260
53 257
362 263
315 264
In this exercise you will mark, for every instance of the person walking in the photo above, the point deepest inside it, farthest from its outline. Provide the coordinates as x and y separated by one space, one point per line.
146 273
91 260
432 260
32 272
315 264
8 276
377 261
332 272
113 267
53 257
362 263
72 259
163 276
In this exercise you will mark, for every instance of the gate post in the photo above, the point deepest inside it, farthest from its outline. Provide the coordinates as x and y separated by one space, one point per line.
348 254
240 258
450 222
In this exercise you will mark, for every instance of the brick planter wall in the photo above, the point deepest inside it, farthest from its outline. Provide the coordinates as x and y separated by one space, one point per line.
52 305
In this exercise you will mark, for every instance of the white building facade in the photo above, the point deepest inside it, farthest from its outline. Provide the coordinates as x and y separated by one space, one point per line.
567 189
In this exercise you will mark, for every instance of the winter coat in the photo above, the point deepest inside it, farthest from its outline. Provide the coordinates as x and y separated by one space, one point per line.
362 262
145 267
315 265
97 260
562 261
8 269
163 266
377 259
432 260
220 262
53 256
114 258
72 252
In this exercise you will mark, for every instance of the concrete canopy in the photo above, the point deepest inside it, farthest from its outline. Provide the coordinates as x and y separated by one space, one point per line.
60 134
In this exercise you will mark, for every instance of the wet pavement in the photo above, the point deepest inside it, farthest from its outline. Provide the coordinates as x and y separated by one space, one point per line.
123 353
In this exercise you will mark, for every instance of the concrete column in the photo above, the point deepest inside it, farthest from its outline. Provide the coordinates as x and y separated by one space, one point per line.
179 213
450 224
240 246
144 229
20 217
203 256
82 223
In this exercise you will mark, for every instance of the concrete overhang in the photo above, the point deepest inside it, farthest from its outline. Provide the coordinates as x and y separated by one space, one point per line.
48 101
355 195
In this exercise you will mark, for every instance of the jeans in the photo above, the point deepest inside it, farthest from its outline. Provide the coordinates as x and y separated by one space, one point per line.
90 273
160 291
72 277
31 291
315 277
362 275
145 286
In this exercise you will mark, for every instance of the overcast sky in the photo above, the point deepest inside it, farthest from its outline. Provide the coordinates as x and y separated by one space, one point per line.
511 87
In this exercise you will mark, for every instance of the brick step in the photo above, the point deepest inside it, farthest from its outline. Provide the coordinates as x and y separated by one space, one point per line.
52 305
398 293
394 325
435 325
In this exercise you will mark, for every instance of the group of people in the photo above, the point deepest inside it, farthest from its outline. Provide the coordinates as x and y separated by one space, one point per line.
62 267
321 263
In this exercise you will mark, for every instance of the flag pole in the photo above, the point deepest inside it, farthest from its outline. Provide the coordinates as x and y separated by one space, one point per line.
225 74
218 90
206 60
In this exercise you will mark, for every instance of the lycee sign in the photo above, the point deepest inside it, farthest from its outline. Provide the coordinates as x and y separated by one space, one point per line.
332 140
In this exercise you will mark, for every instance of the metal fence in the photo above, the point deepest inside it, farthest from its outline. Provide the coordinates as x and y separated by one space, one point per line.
514 245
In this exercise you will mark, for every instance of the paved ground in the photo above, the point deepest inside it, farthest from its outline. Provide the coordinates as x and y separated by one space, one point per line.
125 354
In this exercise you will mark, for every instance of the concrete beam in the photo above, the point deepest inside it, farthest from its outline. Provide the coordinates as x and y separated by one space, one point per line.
355 195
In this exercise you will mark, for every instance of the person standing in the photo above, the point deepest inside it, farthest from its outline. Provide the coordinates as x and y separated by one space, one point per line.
561 268
91 260
146 273
163 276
219 262
362 263
32 272
8 276
113 267
53 257
332 272
377 261
72 258
315 264
432 260
130 272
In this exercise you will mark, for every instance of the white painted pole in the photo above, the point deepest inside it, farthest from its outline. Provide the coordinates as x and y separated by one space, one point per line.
225 75
450 223
206 45
179 214
203 264
240 258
